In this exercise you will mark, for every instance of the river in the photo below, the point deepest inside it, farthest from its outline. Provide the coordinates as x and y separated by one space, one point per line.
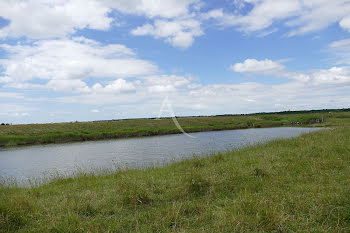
35 162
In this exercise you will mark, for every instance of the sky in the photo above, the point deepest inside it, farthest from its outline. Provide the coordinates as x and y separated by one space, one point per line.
83 60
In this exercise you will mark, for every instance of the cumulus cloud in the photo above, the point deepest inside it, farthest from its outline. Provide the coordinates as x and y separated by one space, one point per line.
152 9
332 76
345 23
114 87
174 20
178 22
67 62
228 98
194 98
67 85
301 17
165 83
47 19
142 97
142 89
179 33
264 67
64 66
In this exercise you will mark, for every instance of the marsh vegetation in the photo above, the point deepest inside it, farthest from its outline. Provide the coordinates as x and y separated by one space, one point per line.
13 135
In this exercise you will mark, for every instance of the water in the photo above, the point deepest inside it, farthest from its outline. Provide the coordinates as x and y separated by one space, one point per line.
35 162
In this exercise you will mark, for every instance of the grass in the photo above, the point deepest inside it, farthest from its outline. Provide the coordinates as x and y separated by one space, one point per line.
14 135
292 185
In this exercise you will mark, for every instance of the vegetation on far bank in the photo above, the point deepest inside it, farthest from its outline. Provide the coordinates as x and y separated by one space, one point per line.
13 135
292 185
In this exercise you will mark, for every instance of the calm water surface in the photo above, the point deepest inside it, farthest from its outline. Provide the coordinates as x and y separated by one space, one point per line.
35 162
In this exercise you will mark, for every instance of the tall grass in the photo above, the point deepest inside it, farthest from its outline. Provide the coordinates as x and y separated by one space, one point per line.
292 185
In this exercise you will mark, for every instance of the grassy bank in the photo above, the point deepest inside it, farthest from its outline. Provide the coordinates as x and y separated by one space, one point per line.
294 185
12 135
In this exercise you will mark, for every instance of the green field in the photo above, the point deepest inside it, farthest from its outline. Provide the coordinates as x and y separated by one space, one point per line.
13 135
290 185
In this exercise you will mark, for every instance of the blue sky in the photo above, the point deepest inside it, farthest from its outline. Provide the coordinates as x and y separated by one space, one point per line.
68 60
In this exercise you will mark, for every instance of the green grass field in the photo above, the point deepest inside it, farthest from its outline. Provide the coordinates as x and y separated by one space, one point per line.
292 185
13 135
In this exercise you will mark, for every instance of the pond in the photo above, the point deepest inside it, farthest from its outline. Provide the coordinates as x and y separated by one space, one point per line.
35 162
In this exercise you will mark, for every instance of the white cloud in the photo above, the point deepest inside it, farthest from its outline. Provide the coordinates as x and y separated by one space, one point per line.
326 88
179 33
253 66
52 18
5 79
345 23
143 89
301 16
341 44
254 97
23 85
161 88
13 109
95 111
341 49
48 19
114 87
165 83
11 95
332 76
178 22
176 81
66 85
154 8
318 14
65 63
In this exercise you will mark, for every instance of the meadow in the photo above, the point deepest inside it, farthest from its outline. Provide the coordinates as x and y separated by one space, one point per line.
289 185
14 135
